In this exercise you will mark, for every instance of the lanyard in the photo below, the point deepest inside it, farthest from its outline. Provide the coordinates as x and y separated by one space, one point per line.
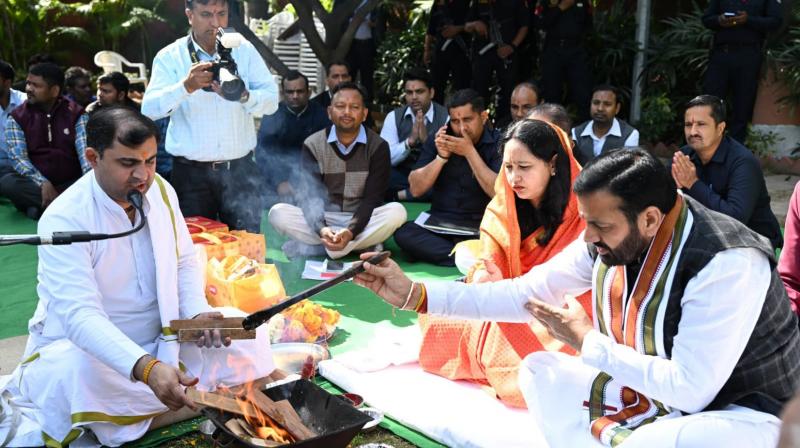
192 51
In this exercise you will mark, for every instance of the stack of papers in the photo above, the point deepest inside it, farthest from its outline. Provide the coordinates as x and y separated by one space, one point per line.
445 227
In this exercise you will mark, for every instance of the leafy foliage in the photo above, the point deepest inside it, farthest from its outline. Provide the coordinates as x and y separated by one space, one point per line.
399 52
784 54
612 47
112 20
657 117
108 22
676 63
21 31
762 143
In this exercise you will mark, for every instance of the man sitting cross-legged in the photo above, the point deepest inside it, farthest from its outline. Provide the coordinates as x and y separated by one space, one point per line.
343 176
460 171
101 366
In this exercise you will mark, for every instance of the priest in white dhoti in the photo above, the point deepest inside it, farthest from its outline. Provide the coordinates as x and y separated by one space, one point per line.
692 340
101 365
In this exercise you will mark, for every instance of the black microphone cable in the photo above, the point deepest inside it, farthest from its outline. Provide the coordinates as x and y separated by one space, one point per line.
59 238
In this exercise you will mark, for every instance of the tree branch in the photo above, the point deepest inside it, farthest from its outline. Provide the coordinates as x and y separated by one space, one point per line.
346 40
305 17
316 6
267 55
345 10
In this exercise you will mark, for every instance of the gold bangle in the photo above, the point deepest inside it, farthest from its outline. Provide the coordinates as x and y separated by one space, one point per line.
422 297
147 369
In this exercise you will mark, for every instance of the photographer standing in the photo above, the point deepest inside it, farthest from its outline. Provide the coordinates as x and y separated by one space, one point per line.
211 137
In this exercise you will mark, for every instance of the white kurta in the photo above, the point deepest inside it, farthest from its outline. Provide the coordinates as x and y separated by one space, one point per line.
712 335
102 306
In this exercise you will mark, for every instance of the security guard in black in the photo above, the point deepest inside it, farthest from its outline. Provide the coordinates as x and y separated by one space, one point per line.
499 27
734 64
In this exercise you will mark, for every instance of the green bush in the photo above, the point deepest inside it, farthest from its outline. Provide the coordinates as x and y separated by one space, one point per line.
398 52
657 117
762 143
21 33
676 63
612 47
784 55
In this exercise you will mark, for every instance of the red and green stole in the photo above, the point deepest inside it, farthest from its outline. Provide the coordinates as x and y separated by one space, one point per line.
636 320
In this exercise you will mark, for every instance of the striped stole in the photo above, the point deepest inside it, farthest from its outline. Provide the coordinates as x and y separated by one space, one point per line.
632 320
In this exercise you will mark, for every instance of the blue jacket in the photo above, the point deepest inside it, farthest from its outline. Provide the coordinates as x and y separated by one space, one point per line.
732 183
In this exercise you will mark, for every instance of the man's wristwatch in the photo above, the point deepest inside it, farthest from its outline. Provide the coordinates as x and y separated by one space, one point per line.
443 159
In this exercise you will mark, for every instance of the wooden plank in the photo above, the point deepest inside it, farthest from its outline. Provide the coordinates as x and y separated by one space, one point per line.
220 402
243 431
185 324
284 414
193 334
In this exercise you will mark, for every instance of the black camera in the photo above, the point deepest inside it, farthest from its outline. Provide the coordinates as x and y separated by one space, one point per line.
224 67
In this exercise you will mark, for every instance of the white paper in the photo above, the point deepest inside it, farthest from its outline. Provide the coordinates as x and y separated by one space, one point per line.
317 270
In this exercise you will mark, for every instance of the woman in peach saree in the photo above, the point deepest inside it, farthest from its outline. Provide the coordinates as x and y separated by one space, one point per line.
532 216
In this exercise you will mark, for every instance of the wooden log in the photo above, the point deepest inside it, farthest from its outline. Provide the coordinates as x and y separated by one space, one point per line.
193 334
283 413
184 324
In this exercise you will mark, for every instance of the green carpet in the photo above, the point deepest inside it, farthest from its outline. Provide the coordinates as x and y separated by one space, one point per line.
17 274
359 308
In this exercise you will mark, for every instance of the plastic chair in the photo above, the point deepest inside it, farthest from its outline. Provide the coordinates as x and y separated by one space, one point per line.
111 61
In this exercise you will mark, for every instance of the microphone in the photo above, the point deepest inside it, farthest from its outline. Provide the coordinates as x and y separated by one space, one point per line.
134 197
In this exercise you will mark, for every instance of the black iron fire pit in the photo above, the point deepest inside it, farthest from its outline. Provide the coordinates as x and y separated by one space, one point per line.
335 421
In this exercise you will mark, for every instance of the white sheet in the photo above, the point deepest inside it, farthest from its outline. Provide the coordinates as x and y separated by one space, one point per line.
455 413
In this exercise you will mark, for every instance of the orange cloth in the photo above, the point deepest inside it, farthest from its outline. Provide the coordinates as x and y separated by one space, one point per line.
489 353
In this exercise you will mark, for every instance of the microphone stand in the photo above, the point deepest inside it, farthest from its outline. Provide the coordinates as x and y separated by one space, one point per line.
69 237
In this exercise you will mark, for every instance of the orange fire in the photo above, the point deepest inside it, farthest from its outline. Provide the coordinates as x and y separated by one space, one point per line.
262 425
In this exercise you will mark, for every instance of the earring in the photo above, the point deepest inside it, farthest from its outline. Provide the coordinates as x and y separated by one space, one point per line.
552 172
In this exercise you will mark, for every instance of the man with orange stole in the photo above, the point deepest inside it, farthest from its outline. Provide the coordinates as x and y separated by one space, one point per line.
692 342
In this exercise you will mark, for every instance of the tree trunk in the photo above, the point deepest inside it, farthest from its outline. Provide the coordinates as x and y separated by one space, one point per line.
272 60
337 42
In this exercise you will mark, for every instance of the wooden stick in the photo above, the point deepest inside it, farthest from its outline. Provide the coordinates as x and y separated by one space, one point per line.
284 414
193 334
259 317
184 324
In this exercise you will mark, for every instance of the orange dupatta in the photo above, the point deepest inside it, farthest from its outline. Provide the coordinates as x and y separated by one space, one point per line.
487 352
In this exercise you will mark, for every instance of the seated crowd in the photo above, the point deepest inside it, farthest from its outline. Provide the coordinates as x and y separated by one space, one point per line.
600 283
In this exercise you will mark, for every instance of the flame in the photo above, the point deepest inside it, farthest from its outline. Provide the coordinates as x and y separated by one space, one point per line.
262 425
